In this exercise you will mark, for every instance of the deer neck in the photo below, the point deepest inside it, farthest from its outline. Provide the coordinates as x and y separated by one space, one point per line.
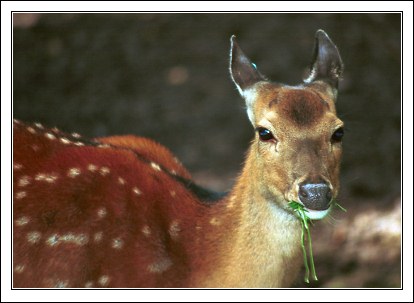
261 242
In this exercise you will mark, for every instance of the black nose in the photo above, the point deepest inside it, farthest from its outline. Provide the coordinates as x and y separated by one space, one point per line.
316 196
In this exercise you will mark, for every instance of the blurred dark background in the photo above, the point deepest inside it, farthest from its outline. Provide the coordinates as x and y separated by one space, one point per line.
165 76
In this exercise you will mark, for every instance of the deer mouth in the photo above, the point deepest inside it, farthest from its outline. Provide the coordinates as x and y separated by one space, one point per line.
317 214
303 212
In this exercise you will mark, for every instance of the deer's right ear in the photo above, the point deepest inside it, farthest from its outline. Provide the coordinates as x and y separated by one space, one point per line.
327 64
243 72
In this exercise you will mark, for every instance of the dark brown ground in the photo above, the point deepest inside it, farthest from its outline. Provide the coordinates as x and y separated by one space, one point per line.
165 76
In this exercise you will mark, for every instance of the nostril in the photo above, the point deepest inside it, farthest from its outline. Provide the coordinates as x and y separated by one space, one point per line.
302 192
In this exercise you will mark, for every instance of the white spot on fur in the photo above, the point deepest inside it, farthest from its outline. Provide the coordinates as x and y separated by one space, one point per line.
20 195
97 237
50 136
74 172
155 166
103 280
121 181
76 135
160 266
55 283
117 243
146 230
38 125
104 170
33 237
53 240
19 268
80 239
22 221
136 191
89 284
31 130
79 143
40 177
61 284
24 181
102 212
17 166
50 178
92 167
104 145
215 222
174 229
173 172
65 141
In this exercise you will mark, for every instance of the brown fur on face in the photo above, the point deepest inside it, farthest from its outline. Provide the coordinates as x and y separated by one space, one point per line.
302 107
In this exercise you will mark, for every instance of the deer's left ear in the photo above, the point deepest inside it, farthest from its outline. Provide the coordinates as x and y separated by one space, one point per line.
327 63
243 72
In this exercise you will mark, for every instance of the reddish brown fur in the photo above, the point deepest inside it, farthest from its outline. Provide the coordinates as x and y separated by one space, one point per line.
149 150
71 205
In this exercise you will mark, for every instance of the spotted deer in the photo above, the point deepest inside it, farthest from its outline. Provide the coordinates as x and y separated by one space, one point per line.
122 211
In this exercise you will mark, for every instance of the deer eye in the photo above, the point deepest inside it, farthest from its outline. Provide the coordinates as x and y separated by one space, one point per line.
337 135
265 134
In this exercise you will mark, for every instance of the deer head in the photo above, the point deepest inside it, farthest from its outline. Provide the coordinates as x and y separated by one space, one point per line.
298 135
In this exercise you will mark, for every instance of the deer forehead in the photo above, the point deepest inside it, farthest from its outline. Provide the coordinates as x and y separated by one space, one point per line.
295 111
301 107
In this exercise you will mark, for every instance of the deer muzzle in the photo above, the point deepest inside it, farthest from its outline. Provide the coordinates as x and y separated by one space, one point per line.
315 196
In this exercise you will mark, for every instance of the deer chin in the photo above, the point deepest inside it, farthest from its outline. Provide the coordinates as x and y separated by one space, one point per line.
317 214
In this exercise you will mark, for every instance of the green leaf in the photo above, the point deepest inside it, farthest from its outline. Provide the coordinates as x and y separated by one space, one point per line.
300 211
305 258
313 271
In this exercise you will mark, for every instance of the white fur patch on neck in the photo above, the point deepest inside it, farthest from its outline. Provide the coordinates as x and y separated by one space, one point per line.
281 213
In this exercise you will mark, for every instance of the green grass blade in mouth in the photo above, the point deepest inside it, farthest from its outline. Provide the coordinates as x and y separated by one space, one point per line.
300 211
340 207
305 257
312 264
